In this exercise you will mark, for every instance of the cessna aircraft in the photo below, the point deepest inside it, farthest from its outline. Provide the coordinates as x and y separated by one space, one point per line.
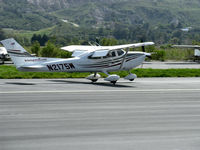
84 59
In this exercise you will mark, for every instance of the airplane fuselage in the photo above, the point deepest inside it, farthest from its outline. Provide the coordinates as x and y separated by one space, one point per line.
83 64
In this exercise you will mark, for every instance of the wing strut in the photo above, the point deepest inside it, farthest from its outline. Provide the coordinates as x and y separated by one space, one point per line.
123 60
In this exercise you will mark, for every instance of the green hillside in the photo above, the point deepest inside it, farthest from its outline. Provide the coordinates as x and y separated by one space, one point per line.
133 12
19 14
23 14
129 20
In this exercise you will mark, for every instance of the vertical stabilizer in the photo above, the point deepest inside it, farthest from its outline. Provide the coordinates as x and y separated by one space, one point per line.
17 53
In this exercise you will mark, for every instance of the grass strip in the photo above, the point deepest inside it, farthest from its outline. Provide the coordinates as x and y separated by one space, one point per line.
10 72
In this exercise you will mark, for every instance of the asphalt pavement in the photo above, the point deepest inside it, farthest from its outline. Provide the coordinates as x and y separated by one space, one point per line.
170 65
74 114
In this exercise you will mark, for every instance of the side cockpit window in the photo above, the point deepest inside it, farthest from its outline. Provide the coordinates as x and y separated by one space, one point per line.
120 52
113 54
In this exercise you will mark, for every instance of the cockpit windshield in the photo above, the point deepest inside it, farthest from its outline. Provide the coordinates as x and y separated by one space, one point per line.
112 53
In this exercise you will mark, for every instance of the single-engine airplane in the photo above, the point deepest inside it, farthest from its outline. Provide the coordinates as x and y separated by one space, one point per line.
84 59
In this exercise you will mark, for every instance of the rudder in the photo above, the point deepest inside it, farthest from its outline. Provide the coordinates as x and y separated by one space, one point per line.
17 53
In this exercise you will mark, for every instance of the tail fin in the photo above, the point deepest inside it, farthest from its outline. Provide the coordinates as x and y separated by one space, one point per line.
17 53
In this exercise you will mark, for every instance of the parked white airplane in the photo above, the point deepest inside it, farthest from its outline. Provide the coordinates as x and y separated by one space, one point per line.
85 59
3 54
195 47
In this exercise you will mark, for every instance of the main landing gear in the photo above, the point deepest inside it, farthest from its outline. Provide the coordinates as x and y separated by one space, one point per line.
112 78
93 77
131 77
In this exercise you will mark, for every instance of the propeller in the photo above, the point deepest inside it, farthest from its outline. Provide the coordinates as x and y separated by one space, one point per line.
143 47
144 50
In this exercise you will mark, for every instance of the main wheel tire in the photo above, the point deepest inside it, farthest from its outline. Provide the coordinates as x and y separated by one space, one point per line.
94 80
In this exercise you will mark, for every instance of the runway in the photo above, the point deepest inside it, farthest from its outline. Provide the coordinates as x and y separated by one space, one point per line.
73 114
170 65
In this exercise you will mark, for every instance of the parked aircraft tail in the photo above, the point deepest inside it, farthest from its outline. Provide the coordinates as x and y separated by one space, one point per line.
17 53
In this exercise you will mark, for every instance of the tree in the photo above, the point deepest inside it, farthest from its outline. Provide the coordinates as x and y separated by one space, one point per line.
65 54
108 42
41 39
34 38
44 39
49 50
2 34
35 49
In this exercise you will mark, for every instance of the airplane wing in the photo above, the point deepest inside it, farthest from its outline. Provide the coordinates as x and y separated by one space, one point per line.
78 50
99 51
103 50
73 48
130 45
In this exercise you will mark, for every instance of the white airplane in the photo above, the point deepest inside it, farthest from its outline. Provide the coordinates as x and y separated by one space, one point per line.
85 59
195 47
3 54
